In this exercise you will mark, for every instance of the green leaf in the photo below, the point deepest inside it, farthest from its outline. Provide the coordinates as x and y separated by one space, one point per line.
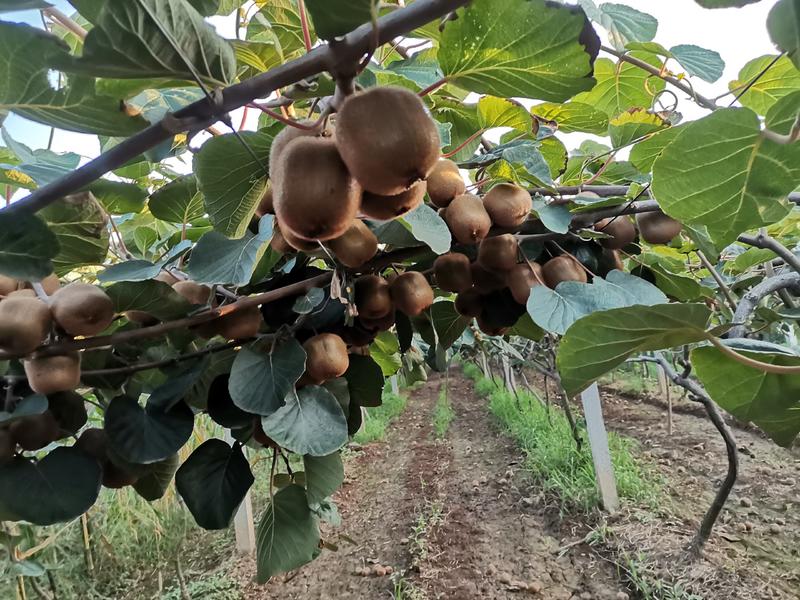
178 202
35 404
625 24
118 197
597 343
155 298
422 68
502 112
725 3
60 487
766 399
334 19
80 224
154 104
620 88
278 21
288 534
525 327
527 48
573 116
43 166
324 475
385 351
781 116
27 246
12 5
555 217
311 422
644 153
142 270
306 304
783 24
260 382
154 38
154 484
213 482
428 227
463 119
780 79
633 124
364 380
232 195
700 62
721 172
441 324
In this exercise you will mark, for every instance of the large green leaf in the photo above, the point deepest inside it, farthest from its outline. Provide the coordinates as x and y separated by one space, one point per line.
621 87
155 298
278 22
43 166
463 121
722 172
528 48
178 202
334 19
573 116
632 125
118 197
502 112
447 322
324 475
770 401
213 482
364 380
142 270
597 343
725 3
154 484
644 153
27 246
154 104
288 534
80 224
780 79
783 24
12 5
701 62
428 227
626 24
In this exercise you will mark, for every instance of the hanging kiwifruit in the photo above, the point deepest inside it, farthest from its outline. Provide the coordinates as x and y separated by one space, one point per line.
498 253
51 374
355 246
326 357
238 325
35 431
562 268
278 243
69 409
469 303
490 328
221 408
299 243
281 141
140 317
387 139
7 447
24 324
608 261
452 271
384 208
657 228
522 278
50 284
166 277
620 229
7 285
94 442
372 296
486 281
445 183
315 197
355 335
23 293
411 293
265 205
508 205
384 323
194 292
82 309
467 219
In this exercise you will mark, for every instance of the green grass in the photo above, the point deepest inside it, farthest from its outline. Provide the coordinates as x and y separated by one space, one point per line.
376 420
443 414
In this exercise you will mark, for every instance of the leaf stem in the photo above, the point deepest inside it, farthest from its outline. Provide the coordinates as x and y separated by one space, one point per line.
433 87
464 144
751 362
301 5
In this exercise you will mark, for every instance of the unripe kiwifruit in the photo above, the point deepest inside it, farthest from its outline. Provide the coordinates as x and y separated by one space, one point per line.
657 228
315 196
194 292
384 208
265 205
326 357
279 144
383 323
7 446
36 431
445 183
239 325
508 205
620 229
469 303
82 309
411 293
562 268
522 278
387 139
69 409
372 296
467 219
7 285
498 253
452 271
486 281
24 324
355 246
51 374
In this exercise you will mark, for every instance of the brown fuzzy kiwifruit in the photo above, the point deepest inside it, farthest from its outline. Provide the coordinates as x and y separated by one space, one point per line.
69 409
355 246
384 323
486 281
522 278
266 205
194 292
35 431
373 299
140 317
469 303
298 243
7 446
7 285
467 219
356 335
326 357
24 324
490 328
23 293
411 293
278 243
498 253
82 309
452 271
281 141
508 205
445 183
562 268
385 208
50 284
166 277
94 442
620 229
238 325
51 374
657 228
387 139
315 196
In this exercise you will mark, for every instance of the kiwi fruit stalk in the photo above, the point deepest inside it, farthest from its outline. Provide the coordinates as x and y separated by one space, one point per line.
508 205
195 293
657 228
385 208
486 280
326 357
356 246
82 309
452 271
562 268
498 253
24 324
372 296
51 374
522 278
467 219
387 139
469 303
445 183
411 293
620 229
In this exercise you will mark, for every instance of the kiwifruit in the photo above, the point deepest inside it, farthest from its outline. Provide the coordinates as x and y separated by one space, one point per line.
69 410
265 205
82 309
261 437
51 374
467 219
486 281
326 357
299 243
445 183
384 208
372 296
315 196
562 268
360 351
522 278
281 141
387 139
23 293
356 335
508 205
238 325
500 309
608 261
50 284
278 243
355 246
452 271
94 442
220 405
411 293
469 303
498 253
166 277
7 285
36 431
24 324
490 328
384 323
7 446
657 228
140 317
194 292
620 229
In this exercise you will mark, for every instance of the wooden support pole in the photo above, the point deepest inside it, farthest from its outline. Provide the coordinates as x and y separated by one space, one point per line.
598 441
663 383
243 523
